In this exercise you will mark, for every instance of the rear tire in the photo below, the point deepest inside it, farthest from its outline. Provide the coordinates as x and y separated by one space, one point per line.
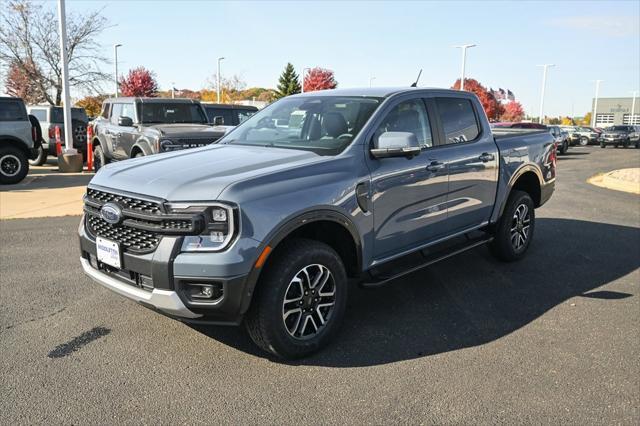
514 231
41 158
300 300
14 165
99 159
584 141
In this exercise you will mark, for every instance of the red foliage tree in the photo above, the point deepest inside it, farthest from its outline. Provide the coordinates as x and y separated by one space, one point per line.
139 82
319 79
19 83
491 106
513 111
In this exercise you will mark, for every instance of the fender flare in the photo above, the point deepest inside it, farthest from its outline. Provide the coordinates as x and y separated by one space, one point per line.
276 236
18 143
525 168
143 145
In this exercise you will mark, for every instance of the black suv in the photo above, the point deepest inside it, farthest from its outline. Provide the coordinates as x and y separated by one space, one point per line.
135 127
620 135
227 114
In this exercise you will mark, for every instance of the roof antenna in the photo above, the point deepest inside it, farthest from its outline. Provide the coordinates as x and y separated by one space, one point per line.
415 84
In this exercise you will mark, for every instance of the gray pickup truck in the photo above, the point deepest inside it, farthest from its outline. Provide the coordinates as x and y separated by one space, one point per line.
135 127
270 226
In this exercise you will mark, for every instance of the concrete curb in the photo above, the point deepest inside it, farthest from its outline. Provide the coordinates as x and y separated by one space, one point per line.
626 180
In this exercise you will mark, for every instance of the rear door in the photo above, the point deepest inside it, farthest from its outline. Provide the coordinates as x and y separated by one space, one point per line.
408 195
472 157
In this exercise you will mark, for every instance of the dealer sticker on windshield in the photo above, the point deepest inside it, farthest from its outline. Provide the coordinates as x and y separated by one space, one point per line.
108 252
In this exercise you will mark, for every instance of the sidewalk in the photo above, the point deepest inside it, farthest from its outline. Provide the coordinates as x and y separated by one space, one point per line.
44 193
627 180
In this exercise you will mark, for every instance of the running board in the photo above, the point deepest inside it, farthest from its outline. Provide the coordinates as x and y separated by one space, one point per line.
421 259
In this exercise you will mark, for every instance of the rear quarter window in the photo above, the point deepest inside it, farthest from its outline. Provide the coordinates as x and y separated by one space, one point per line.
11 110
458 119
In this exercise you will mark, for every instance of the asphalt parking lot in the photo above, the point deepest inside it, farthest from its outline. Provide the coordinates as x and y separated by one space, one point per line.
554 338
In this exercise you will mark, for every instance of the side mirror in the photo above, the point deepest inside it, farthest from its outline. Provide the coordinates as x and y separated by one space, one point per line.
125 121
218 120
396 144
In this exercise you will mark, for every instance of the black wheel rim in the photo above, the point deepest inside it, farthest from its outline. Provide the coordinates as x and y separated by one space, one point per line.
520 227
309 302
10 165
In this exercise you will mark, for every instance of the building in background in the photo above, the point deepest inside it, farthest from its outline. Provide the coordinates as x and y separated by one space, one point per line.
616 111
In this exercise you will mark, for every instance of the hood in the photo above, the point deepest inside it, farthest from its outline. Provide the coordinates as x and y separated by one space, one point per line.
184 130
197 174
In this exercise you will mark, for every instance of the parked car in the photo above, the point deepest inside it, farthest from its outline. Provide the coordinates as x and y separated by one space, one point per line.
572 131
586 135
269 226
228 114
20 139
51 117
620 135
135 127
561 138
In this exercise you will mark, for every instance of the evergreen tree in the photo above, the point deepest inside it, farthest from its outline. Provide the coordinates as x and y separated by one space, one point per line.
288 83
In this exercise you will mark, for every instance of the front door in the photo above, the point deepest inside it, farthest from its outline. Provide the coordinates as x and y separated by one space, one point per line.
408 195
126 134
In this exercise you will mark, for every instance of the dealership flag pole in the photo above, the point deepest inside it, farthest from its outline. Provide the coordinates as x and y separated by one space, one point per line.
544 83
632 119
595 104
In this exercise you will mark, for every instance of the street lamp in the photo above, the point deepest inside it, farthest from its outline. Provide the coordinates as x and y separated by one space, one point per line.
595 104
302 85
464 48
115 53
544 83
218 78
632 119
371 81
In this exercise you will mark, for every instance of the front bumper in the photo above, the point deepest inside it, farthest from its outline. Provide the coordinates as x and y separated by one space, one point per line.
613 141
167 274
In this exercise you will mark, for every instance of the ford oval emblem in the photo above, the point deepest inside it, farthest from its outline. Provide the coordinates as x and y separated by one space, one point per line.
111 213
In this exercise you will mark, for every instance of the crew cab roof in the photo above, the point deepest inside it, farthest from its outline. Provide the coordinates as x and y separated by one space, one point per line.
153 100
374 92
228 106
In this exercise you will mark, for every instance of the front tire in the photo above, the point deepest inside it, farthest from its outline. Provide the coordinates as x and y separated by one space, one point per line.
514 231
299 301
14 165
99 159
584 141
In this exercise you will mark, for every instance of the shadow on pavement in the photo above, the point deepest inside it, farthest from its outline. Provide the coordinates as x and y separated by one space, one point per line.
49 181
473 299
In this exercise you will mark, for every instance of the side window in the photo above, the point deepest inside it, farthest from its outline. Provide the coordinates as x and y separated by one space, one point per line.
105 110
11 110
39 113
127 111
458 120
116 111
408 116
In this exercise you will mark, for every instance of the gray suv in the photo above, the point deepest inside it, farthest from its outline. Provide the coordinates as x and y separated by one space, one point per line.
270 226
20 137
135 127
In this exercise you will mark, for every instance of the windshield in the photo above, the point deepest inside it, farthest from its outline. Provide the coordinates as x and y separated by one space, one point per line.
57 114
617 129
325 125
169 113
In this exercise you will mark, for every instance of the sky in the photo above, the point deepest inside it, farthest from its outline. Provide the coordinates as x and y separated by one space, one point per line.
391 41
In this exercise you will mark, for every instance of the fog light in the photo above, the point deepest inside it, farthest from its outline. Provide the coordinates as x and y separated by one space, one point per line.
203 291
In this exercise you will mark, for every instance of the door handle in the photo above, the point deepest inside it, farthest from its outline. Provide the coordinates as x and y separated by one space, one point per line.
435 166
486 157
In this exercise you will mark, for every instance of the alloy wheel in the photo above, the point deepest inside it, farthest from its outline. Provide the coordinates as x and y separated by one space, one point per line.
520 226
309 301
10 165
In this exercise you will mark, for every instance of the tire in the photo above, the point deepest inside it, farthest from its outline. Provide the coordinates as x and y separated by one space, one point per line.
99 159
277 327
41 158
14 165
517 221
584 141
625 144
138 155
603 145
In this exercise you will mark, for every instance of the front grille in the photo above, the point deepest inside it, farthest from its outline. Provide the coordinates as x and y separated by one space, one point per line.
129 203
190 142
132 239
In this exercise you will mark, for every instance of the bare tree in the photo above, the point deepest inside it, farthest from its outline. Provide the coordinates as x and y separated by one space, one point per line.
29 40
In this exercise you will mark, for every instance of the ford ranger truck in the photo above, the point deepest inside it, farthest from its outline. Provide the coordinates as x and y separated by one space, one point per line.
269 227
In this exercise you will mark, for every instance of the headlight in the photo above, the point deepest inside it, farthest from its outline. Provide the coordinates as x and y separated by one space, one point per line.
219 229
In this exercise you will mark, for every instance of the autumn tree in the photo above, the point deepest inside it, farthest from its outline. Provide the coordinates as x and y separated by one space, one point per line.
139 82
513 111
288 83
17 83
319 79
586 121
92 104
29 41
491 106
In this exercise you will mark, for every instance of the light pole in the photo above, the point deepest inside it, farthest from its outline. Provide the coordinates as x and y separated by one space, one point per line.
464 48
595 104
115 54
173 90
544 83
632 119
371 81
218 78
302 85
